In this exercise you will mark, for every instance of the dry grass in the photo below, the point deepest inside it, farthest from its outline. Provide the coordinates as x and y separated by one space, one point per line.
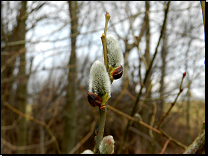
177 126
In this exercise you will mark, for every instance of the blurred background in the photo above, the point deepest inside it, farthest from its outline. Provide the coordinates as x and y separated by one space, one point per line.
47 49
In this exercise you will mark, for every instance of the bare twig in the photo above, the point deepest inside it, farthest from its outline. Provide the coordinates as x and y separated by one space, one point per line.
103 37
54 114
203 12
168 112
21 51
85 138
3 128
173 140
36 121
153 118
19 148
148 126
165 146
133 119
145 79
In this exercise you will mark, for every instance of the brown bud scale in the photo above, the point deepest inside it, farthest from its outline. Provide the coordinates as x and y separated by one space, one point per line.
118 72
94 99
184 74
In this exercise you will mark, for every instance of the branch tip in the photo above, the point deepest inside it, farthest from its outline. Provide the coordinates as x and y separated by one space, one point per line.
184 74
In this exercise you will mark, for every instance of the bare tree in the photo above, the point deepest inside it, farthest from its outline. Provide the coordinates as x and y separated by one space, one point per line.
53 61
70 119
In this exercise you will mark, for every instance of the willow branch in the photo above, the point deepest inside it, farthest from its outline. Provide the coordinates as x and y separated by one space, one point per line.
103 37
102 110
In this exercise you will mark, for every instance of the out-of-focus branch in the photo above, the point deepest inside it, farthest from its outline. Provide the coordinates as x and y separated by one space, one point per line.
54 114
23 50
4 128
148 126
164 147
145 80
173 140
203 12
168 112
133 119
36 121
85 138
19 148
153 118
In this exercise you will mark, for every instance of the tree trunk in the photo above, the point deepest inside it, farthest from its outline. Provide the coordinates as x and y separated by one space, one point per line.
21 98
145 112
162 88
70 118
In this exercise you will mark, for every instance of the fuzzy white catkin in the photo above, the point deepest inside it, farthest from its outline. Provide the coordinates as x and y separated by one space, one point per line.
87 152
115 56
107 145
99 82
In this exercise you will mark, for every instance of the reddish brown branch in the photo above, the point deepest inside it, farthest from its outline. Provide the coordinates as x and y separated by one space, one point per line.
165 146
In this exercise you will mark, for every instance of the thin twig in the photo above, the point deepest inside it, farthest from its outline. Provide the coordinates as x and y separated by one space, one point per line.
36 121
203 12
173 140
102 110
148 126
133 119
173 104
144 82
103 38
19 148
84 139
21 51
165 146
153 118
8 127
54 114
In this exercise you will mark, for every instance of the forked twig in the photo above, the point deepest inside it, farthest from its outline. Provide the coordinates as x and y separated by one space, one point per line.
144 82
168 112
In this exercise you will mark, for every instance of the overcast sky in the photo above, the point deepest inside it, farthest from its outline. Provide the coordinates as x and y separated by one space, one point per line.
53 54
